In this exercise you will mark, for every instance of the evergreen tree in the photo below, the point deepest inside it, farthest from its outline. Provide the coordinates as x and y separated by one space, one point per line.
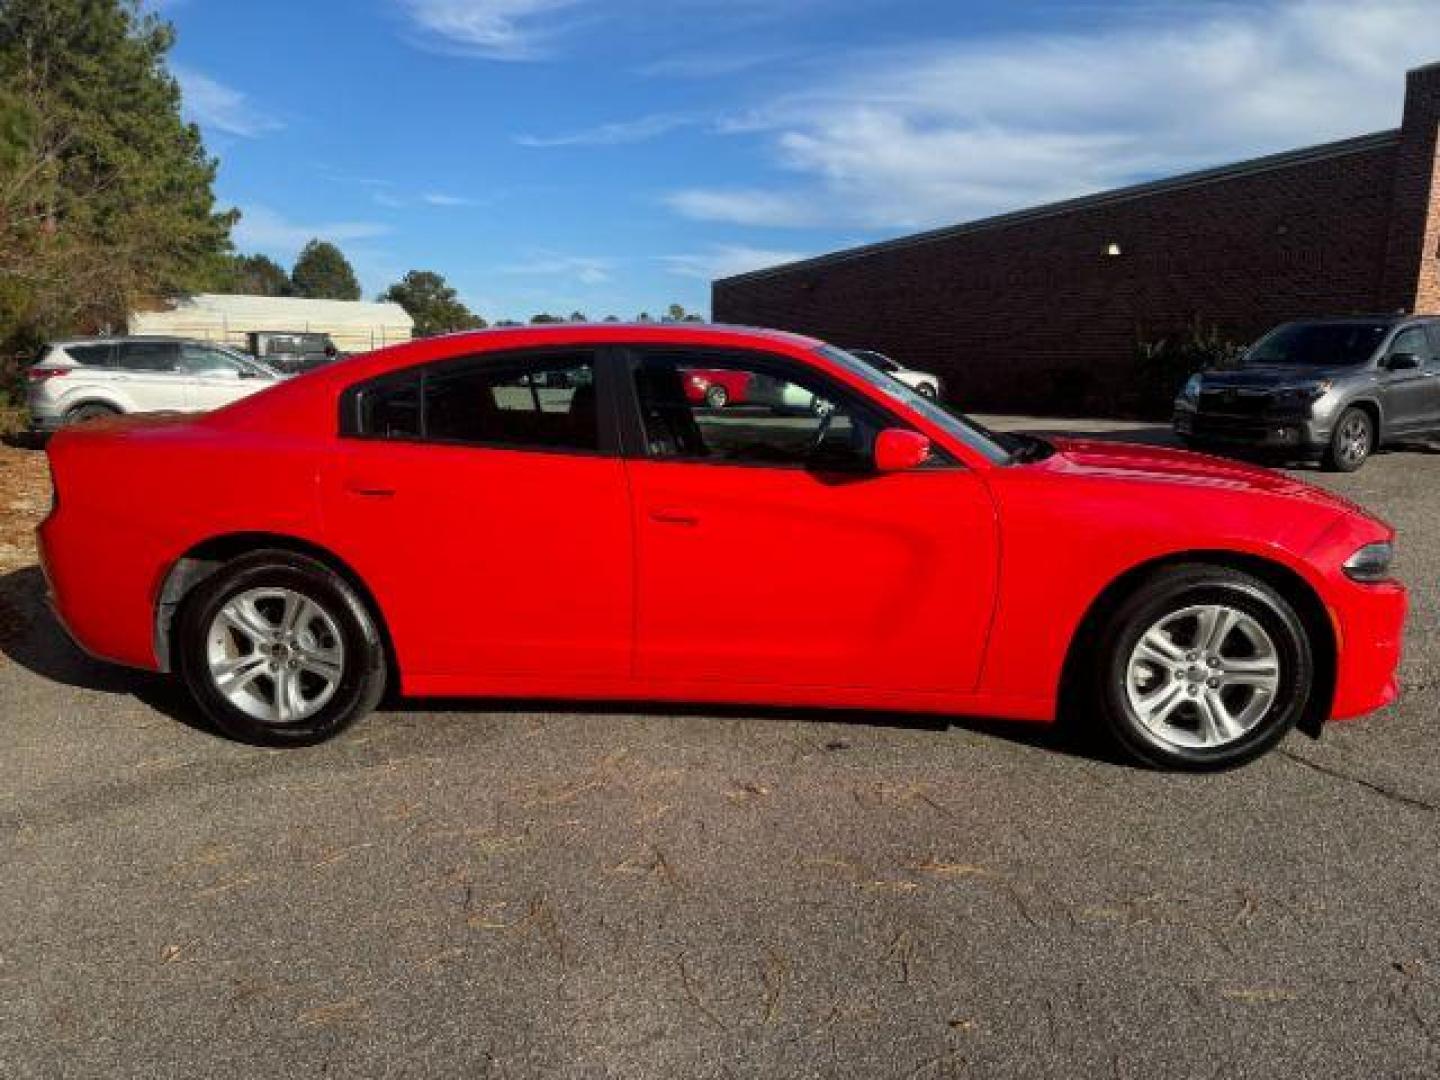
432 303
106 194
258 275
323 273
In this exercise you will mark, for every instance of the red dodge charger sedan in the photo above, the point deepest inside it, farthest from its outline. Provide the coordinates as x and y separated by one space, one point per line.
534 512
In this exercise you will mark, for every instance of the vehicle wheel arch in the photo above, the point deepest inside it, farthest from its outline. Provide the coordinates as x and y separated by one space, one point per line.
211 555
92 398
1370 407
1283 579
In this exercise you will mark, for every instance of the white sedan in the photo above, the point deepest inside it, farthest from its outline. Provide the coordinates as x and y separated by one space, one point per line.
922 382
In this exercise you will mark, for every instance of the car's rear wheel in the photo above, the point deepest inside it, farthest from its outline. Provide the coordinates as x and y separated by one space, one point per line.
277 649
1204 668
716 396
90 410
1352 442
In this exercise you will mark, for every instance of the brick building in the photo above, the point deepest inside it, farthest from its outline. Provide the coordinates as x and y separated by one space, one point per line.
1043 310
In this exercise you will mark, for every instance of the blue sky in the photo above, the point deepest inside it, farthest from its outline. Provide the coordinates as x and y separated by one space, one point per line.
612 156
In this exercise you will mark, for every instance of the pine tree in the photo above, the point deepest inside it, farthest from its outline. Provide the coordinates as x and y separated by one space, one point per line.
323 273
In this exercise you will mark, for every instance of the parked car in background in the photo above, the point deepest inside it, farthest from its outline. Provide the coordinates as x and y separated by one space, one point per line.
1196 609
291 351
1333 388
717 388
85 378
922 382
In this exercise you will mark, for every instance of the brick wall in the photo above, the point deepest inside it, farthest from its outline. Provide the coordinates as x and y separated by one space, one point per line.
1029 313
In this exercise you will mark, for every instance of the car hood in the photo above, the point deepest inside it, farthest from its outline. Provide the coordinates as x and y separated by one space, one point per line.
1161 465
1272 376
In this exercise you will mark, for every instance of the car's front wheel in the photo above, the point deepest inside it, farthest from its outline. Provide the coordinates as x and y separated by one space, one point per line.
1204 667
1352 442
277 649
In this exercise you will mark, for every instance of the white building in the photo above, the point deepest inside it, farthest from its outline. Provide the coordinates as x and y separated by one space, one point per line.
354 325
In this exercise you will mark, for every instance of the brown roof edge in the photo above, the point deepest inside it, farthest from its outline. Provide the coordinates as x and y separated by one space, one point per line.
1271 162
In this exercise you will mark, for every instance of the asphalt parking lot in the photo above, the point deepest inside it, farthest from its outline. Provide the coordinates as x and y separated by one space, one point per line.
528 891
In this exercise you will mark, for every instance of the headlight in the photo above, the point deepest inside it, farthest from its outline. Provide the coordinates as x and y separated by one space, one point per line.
1308 391
1371 563
1192 389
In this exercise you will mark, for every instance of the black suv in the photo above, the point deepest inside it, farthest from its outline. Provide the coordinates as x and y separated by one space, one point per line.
1336 388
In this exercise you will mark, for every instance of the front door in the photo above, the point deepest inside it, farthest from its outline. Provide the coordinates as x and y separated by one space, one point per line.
770 553
1412 395
482 502
216 378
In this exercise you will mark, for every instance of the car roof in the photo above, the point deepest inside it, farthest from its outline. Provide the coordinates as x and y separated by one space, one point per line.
607 331
121 339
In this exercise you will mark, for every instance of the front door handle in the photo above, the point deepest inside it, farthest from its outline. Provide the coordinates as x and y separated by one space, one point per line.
674 517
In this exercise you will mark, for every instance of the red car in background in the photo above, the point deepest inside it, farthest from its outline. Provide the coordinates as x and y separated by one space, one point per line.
717 387
289 556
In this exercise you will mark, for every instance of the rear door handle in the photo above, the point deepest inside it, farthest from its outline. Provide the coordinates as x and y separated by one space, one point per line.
674 517
367 490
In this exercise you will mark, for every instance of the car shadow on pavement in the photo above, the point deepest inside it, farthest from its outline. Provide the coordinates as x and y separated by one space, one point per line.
31 637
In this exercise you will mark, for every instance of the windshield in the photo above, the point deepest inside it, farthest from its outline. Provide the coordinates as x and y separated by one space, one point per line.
994 446
1328 344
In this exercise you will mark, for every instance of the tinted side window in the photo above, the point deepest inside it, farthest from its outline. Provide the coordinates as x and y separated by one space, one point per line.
149 355
544 402
1412 340
751 410
1433 330
91 355
391 409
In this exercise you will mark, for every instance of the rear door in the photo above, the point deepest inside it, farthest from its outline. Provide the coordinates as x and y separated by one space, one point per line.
148 374
1412 397
771 553
484 501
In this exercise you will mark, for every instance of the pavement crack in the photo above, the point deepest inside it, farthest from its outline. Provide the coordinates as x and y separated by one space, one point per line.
1370 785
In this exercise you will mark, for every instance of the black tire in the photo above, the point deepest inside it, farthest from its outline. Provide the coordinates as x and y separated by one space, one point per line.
1352 442
90 410
1173 590
716 396
927 390
360 685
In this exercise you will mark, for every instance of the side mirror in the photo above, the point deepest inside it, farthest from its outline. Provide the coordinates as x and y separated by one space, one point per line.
897 450
1402 361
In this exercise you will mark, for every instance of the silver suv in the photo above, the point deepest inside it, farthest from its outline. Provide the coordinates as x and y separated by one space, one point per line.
1333 388
89 377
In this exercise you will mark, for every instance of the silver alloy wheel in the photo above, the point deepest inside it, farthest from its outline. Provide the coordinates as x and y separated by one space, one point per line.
275 654
1203 677
1353 443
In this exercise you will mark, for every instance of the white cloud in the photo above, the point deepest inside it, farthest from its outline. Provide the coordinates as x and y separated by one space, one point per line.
909 138
619 133
726 260
214 105
746 207
586 269
495 29
262 229
440 198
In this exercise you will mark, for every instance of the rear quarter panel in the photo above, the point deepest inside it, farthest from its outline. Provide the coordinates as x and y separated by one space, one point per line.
133 500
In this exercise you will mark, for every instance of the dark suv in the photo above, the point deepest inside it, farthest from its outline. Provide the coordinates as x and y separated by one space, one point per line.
1336 388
